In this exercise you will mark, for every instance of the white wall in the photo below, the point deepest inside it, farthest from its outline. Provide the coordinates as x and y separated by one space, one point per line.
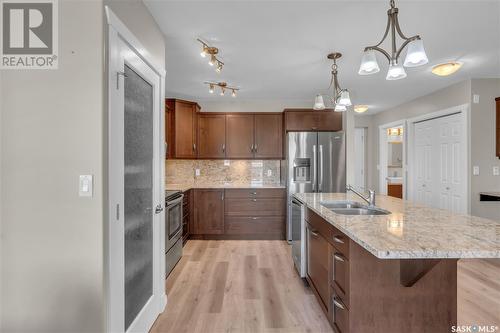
483 146
52 131
453 95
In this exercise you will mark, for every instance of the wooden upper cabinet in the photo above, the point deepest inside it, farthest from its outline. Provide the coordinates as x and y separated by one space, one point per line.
312 120
211 136
268 136
240 136
209 211
498 125
180 127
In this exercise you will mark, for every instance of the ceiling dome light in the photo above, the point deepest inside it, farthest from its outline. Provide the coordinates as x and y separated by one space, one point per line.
395 72
344 98
360 108
415 56
319 104
340 108
369 64
447 68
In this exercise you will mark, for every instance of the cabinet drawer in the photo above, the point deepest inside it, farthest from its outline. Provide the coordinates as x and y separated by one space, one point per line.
340 274
244 193
338 313
318 224
255 207
236 225
317 263
340 241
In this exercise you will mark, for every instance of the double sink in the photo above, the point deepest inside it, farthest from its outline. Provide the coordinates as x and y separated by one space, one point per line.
353 208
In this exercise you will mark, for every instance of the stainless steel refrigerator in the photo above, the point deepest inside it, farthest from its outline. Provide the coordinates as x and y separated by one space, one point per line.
316 162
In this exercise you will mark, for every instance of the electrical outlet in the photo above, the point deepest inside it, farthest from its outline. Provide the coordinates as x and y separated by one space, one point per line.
227 163
197 172
475 170
496 171
475 99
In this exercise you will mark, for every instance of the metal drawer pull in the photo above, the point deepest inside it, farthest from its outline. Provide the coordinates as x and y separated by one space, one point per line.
254 200
255 218
338 257
337 239
314 233
338 304
253 193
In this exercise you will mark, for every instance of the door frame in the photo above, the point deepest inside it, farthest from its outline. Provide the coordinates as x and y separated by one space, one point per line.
464 111
382 156
365 133
118 31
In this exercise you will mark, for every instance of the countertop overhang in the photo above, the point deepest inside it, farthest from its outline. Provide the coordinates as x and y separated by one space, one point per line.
411 231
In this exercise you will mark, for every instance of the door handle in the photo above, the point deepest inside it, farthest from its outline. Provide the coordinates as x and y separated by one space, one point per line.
223 147
338 304
320 183
255 148
194 146
314 233
338 257
158 209
337 239
315 160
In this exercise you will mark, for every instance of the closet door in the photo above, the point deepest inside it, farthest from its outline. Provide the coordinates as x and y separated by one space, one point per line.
450 153
424 176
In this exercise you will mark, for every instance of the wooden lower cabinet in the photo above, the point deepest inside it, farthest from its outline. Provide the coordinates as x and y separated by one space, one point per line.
209 211
239 214
395 190
361 293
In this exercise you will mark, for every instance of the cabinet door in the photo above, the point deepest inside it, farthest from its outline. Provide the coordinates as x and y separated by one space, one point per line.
268 136
317 263
209 211
300 121
329 121
498 126
185 131
211 136
239 136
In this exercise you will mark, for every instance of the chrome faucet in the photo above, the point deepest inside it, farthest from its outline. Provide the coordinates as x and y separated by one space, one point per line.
371 195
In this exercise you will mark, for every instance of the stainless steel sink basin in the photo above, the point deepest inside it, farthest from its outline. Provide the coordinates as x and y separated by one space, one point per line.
341 204
360 211
353 208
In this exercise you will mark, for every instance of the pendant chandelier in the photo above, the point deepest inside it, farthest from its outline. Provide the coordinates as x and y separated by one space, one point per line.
340 99
415 56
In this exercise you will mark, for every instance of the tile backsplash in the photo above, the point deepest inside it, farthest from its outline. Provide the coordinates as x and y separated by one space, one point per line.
234 171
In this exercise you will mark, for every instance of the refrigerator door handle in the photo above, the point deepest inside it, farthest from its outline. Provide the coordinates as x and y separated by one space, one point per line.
320 184
315 163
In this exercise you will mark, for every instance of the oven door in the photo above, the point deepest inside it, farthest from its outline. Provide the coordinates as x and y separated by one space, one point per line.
173 222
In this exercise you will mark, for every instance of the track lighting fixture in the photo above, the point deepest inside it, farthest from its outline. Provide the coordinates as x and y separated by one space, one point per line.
415 56
223 86
340 99
212 52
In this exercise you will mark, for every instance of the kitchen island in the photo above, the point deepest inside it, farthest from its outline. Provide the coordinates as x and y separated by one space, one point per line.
394 272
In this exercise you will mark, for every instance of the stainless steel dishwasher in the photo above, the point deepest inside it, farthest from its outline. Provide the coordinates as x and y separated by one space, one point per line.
298 236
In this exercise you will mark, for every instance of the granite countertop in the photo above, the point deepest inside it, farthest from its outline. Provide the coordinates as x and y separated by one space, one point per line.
412 231
187 186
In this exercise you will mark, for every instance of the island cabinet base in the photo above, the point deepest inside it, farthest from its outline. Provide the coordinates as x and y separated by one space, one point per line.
368 294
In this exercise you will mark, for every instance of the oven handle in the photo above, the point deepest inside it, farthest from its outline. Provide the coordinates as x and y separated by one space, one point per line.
175 202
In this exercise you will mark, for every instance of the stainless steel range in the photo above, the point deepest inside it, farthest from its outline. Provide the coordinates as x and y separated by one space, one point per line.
173 229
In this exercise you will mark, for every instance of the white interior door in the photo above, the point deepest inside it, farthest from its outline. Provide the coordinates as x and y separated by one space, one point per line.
134 192
359 164
440 160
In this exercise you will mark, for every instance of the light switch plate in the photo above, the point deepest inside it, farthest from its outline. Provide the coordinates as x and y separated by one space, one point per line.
197 172
475 99
269 173
475 170
496 171
85 185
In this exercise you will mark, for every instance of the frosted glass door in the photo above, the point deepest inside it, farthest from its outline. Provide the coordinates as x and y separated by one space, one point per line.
138 139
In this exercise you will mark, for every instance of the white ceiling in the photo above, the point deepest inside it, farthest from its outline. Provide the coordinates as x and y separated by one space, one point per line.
276 50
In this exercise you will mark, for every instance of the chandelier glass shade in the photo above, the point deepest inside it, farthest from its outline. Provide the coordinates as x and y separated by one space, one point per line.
415 54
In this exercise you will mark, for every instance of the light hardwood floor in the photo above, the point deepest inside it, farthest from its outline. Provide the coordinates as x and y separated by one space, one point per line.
238 286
